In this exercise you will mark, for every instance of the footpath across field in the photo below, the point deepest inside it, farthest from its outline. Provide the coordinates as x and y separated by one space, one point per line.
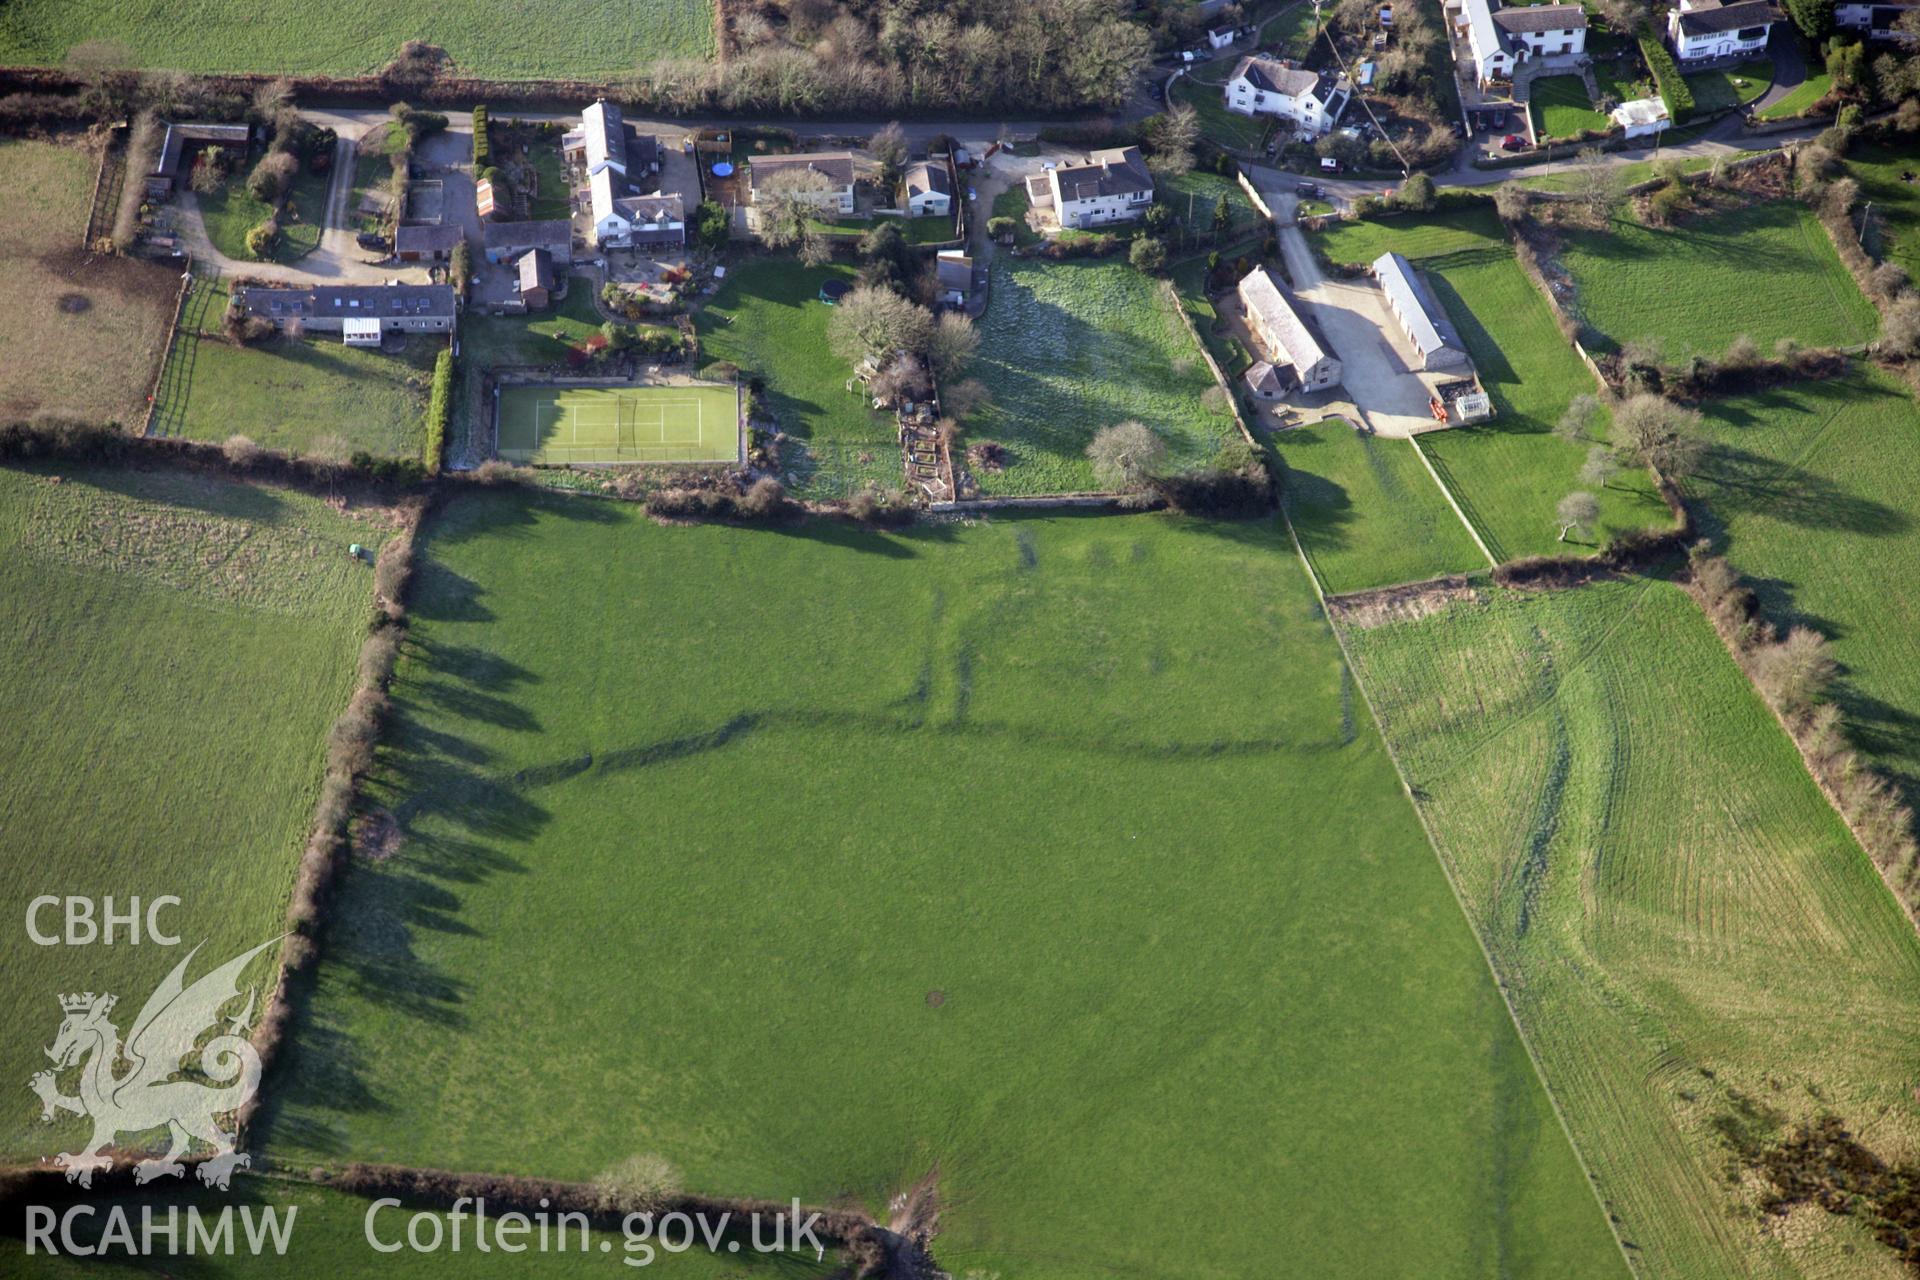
554 425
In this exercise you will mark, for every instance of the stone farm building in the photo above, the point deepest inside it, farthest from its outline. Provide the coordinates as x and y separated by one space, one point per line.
953 270
361 313
426 243
1109 186
1294 357
1700 30
1421 317
1312 100
1500 38
929 189
505 241
166 170
835 166
536 279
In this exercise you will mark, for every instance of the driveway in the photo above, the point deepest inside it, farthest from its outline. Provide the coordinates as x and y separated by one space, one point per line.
1789 67
1376 368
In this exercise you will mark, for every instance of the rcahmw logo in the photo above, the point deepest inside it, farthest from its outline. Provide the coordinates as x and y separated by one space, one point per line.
169 1232
163 1041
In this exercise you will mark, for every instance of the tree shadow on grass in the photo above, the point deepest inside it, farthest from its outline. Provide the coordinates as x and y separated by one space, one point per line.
189 491
1748 481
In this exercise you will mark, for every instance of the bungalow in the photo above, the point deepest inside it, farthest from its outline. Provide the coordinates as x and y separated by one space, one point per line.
1423 320
1111 186
505 241
426 243
929 191
1295 354
835 166
360 313
1312 100
953 271
536 279
1498 39
173 144
1703 29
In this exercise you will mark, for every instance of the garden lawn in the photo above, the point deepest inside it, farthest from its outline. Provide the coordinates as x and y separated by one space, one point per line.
310 395
1726 89
768 320
82 335
536 338
1811 491
1366 511
1508 474
1767 271
1689 934
175 648
1226 129
1816 86
1560 107
551 200
1195 195
484 38
1893 228
1055 856
1190 278
329 1237
1013 203
1069 347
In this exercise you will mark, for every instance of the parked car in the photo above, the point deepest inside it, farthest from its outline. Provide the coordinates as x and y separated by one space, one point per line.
1513 142
1309 189
373 243
1329 165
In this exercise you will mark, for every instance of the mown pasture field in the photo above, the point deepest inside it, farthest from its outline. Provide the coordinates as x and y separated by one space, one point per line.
1366 511
352 37
329 1238
81 336
312 395
1069 347
1508 474
1057 855
1767 271
1810 490
1688 932
1893 223
175 648
768 320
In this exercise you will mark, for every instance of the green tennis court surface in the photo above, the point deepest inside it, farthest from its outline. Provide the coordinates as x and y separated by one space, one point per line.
619 424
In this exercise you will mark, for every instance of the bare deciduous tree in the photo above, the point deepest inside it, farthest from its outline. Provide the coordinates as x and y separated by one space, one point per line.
1796 672
951 344
1577 511
1577 423
874 322
1659 433
1126 455
1171 139
787 203
1600 467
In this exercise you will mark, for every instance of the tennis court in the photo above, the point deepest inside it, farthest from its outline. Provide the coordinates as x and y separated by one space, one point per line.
698 422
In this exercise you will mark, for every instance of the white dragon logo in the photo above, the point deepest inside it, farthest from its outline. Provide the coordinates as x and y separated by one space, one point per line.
147 1096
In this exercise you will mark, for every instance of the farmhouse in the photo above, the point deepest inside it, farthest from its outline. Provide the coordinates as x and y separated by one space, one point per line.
1312 100
1421 318
1703 29
505 241
173 143
1111 186
636 222
426 243
953 270
536 279
836 166
1498 39
929 191
600 143
360 313
1291 349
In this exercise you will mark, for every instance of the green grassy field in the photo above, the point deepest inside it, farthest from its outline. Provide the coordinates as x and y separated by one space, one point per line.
1767 271
1685 927
232 211
483 37
175 649
536 338
1366 511
1560 107
1811 491
768 320
554 425
1069 347
1893 227
1732 87
314 395
1193 197
831 903
82 334
1509 474
329 1237
1226 129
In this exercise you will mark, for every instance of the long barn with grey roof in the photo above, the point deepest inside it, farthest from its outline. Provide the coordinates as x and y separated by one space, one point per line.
1421 318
